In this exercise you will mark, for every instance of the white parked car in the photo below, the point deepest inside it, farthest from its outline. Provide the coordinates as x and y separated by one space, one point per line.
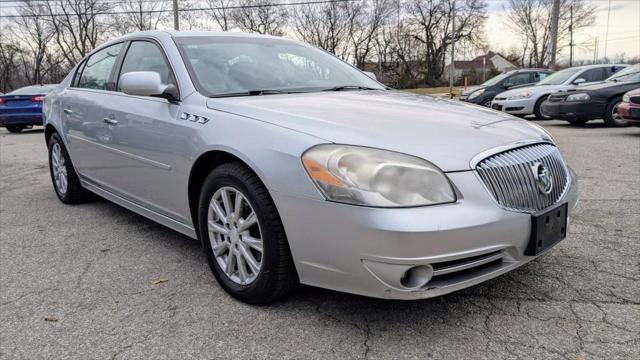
290 165
528 100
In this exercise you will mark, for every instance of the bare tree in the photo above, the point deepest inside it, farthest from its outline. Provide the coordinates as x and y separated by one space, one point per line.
431 23
221 12
261 16
365 21
141 15
10 54
532 20
78 25
323 25
35 33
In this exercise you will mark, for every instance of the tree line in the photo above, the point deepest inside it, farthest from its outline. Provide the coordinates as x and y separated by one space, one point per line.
406 41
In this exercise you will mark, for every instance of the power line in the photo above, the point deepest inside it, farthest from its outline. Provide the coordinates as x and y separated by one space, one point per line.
187 10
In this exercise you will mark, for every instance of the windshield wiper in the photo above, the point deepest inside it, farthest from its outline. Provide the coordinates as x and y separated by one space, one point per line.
253 93
349 87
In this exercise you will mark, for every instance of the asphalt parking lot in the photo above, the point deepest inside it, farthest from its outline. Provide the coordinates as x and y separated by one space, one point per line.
96 281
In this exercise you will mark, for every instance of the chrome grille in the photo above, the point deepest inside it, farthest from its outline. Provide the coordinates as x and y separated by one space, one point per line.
511 181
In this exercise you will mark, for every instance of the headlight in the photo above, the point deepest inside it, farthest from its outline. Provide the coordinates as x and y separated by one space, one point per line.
372 177
626 98
476 93
578 97
522 95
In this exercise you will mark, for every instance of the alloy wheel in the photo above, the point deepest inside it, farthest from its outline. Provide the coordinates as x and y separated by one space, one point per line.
235 235
59 167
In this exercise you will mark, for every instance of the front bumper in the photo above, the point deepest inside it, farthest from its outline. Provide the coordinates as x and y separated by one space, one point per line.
366 250
515 107
629 112
574 110
21 119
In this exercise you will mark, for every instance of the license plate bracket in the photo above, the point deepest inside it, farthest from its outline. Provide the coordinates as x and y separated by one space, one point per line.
547 229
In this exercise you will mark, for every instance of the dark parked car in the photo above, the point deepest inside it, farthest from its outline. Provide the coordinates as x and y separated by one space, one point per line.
22 108
598 101
630 107
484 93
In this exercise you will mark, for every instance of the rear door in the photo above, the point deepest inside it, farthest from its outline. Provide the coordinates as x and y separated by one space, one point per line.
83 111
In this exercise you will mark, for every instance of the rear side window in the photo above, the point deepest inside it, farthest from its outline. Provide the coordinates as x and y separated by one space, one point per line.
146 56
592 75
612 70
98 67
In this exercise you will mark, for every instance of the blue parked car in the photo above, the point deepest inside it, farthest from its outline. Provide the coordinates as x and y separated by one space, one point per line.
22 108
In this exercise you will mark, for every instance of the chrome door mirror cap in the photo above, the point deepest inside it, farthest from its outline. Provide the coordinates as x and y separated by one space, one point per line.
145 83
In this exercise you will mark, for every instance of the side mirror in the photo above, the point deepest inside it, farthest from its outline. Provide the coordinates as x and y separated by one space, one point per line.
146 83
579 81
370 74
508 85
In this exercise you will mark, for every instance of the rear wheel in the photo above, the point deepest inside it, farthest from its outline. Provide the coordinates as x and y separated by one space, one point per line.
64 177
243 236
612 117
14 128
537 109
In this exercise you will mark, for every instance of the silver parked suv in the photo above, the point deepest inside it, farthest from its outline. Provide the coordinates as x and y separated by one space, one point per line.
292 166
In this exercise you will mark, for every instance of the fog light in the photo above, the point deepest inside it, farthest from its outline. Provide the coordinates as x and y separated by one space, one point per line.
417 276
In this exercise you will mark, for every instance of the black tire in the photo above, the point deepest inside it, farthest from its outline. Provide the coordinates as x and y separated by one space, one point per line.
537 111
277 276
611 117
486 103
14 128
577 122
74 193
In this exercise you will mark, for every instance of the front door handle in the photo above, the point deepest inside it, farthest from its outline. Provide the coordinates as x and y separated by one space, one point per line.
68 111
110 121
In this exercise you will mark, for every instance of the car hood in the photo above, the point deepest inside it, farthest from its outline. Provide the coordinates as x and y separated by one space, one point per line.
471 89
535 90
605 85
447 133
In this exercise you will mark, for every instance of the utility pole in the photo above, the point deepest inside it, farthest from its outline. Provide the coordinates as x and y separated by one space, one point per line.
176 18
571 36
554 33
606 35
595 52
452 68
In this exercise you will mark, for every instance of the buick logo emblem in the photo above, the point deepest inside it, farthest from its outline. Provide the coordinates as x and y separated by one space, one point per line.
544 180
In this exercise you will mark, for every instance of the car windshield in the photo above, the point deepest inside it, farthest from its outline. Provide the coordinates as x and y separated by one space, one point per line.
559 77
494 80
33 90
230 66
632 73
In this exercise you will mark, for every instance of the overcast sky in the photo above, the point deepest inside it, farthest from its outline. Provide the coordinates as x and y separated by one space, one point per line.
624 29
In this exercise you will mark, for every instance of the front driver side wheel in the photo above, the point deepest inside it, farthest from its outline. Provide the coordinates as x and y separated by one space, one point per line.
243 236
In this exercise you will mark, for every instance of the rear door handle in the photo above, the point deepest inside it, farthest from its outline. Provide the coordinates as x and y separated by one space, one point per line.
68 111
110 121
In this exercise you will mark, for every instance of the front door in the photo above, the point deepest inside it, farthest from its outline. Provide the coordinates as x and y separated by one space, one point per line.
148 149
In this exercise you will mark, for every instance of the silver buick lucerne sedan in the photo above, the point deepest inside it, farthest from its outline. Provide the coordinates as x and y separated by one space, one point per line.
291 166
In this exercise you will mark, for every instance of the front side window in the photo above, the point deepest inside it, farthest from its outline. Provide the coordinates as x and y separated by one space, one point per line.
592 75
146 56
98 67
519 79
541 75
230 65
